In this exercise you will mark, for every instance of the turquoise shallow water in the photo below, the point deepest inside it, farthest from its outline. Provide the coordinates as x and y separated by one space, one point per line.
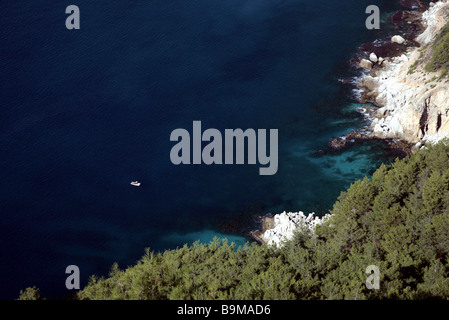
85 112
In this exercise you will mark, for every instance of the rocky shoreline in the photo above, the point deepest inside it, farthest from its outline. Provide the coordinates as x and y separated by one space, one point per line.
409 110
402 118
282 227
413 102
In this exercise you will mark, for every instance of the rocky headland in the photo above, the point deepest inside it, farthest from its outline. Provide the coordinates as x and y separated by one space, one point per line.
408 105
413 103
282 227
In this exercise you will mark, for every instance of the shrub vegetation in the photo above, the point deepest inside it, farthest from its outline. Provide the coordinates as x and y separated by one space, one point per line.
440 52
397 220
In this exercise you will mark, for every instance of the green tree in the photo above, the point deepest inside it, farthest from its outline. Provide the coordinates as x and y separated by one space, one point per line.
30 293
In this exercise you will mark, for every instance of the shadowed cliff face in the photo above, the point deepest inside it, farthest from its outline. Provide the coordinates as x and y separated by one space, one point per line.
414 103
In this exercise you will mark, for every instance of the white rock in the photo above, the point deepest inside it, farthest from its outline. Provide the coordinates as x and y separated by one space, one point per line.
412 112
287 224
366 64
373 57
434 19
398 39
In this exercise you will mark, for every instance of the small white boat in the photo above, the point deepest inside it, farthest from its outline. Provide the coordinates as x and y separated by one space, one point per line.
135 183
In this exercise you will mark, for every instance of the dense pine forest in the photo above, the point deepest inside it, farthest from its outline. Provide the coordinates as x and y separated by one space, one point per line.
397 220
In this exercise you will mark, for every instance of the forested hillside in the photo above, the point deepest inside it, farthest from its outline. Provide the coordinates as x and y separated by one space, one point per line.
398 220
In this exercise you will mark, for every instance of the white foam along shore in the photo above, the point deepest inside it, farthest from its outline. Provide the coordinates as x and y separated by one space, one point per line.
414 106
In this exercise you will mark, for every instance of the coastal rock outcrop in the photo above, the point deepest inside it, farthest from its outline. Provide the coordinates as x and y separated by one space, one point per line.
397 39
414 103
366 64
284 225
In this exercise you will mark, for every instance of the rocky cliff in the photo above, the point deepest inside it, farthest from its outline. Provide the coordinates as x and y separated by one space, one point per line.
283 226
414 104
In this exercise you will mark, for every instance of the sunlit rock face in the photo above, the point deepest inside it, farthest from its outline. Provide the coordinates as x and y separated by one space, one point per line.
414 106
287 224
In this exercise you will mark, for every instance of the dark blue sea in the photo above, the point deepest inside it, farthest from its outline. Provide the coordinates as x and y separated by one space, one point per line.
85 112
